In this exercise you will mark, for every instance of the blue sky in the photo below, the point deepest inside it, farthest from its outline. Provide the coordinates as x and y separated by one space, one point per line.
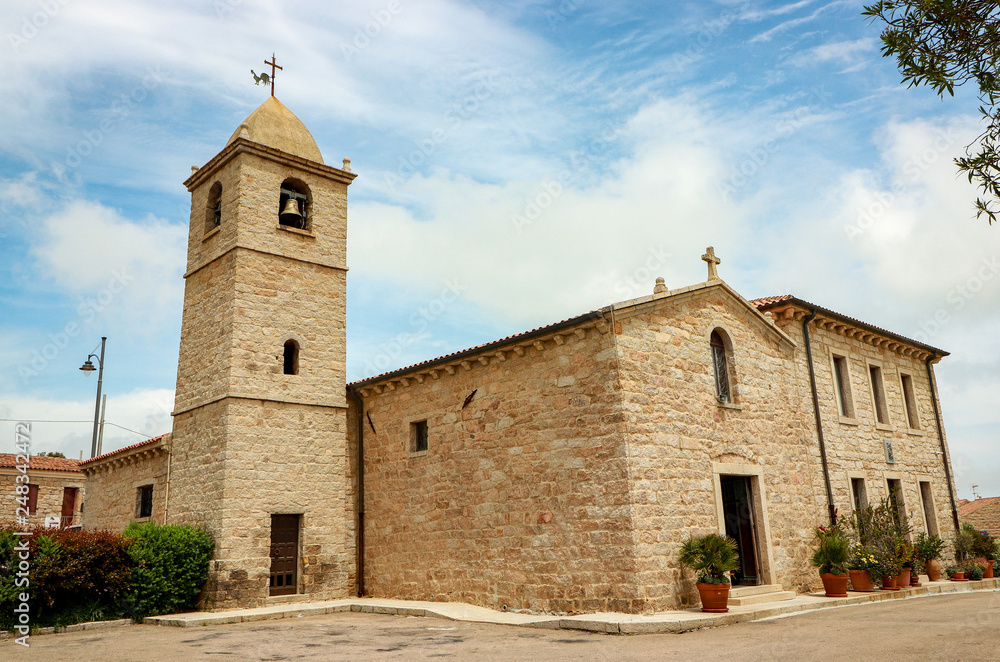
518 163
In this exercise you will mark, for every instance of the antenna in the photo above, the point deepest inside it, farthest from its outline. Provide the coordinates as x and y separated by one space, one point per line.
974 493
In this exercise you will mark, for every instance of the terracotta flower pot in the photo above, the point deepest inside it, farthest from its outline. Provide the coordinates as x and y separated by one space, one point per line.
933 570
914 578
861 580
903 578
989 570
714 598
889 583
835 585
958 576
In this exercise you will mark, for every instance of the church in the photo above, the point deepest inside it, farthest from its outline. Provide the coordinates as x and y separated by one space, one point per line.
556 470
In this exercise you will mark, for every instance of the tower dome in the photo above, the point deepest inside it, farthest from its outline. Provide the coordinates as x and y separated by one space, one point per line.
273 125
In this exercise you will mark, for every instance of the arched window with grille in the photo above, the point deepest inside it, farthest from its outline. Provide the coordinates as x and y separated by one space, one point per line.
720 365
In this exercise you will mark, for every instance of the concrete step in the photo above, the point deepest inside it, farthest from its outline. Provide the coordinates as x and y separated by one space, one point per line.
744 591
743 596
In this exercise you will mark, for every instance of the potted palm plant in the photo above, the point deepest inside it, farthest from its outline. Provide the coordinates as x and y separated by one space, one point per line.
831 556
711 557
928 551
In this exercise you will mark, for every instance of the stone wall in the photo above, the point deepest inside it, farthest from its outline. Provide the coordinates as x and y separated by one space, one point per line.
856 444
113 482
521 498
682 438
50 495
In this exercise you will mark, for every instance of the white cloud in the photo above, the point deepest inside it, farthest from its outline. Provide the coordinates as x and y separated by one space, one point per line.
131 269
146 411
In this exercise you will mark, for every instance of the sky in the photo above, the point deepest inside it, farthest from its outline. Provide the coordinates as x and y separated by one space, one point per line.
518 163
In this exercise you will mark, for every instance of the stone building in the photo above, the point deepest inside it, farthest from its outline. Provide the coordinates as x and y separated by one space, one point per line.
55 491
558 469
983 513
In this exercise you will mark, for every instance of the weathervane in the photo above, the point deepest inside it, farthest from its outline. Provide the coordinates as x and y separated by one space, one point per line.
264 78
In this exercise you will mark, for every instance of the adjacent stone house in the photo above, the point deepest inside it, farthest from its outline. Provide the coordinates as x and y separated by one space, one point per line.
558 469
128 484
983 513
55 491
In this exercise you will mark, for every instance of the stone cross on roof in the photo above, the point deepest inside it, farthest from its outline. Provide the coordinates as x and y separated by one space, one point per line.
712 261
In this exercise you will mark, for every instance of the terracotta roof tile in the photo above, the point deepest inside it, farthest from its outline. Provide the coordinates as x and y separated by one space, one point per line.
972 506
122 450
39 462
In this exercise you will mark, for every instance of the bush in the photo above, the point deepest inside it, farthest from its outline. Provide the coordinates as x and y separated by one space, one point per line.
170 567
74 576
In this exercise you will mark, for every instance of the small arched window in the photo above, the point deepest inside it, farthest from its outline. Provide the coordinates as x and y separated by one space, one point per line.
293 205
291 358
720 365
213 212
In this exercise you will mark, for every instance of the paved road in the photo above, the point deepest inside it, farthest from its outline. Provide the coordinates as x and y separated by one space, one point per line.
949 627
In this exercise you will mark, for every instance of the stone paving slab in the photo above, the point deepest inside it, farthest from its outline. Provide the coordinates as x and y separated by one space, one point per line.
606 622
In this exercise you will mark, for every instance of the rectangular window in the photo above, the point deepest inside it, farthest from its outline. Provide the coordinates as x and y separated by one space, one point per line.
896 499
144 507
910 402
418 436
859 493
930 517
32 499
843 383
878 394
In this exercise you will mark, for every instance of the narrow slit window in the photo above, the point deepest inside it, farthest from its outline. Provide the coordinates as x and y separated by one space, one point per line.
291 358
910 402
843 383
859 493
927 500
878 394
720 367
896 499
144 507
418 436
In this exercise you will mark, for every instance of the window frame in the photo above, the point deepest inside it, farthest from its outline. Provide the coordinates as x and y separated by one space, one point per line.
910 409
880 405
841 369
140 501
419 437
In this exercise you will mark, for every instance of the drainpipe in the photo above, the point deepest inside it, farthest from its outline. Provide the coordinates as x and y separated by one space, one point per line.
360 544
944 447
819 420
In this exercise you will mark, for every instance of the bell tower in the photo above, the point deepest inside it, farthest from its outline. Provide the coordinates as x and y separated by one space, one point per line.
259 451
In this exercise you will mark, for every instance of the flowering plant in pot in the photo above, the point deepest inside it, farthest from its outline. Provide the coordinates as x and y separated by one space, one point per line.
711 557
831 556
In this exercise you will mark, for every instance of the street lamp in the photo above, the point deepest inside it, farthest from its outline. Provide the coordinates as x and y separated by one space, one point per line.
87 368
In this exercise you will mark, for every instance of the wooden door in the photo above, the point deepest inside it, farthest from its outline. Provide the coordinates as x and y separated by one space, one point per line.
284 554
68 506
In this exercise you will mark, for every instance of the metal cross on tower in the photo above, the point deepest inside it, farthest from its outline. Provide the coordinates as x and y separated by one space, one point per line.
274 65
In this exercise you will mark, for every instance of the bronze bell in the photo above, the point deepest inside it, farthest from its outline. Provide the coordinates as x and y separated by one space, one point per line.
291 215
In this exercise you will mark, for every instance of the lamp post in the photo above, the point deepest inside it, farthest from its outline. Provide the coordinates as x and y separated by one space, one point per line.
88 368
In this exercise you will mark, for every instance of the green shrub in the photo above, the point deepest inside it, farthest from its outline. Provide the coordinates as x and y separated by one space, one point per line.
170 567
74 576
